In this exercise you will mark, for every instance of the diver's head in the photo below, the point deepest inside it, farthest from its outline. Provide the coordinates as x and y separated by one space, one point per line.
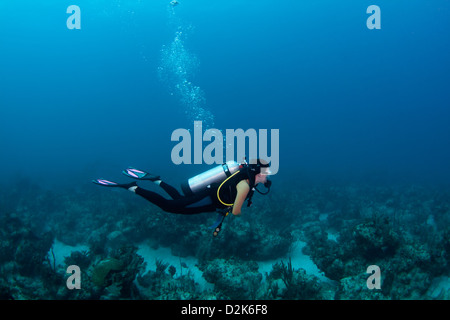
259 169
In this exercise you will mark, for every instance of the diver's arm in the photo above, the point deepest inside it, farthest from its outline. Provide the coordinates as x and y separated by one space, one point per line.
242 190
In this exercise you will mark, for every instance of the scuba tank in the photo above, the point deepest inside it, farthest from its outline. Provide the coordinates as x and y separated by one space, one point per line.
204 180
219 176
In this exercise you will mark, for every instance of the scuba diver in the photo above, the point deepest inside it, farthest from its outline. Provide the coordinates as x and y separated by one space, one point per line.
223 189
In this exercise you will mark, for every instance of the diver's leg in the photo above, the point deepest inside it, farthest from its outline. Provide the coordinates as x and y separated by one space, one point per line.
171 191
183 205
153 197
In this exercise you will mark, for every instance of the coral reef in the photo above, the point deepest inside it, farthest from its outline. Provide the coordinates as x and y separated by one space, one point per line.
233 279
161 285
297 284
103 269
408 265
405 230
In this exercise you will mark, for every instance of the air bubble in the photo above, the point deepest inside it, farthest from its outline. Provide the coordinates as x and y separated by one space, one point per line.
176 70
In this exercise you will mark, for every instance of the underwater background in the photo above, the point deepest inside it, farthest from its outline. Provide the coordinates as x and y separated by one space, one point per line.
364 122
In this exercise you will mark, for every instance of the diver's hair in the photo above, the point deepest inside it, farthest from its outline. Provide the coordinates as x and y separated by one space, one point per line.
259 162
258 165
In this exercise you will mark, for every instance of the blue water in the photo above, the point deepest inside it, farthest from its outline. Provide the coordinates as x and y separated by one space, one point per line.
352 105
348 101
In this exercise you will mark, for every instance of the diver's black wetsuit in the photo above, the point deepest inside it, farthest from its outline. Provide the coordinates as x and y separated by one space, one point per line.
197 203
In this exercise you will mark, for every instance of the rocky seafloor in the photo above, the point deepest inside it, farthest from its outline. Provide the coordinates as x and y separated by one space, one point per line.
311 242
